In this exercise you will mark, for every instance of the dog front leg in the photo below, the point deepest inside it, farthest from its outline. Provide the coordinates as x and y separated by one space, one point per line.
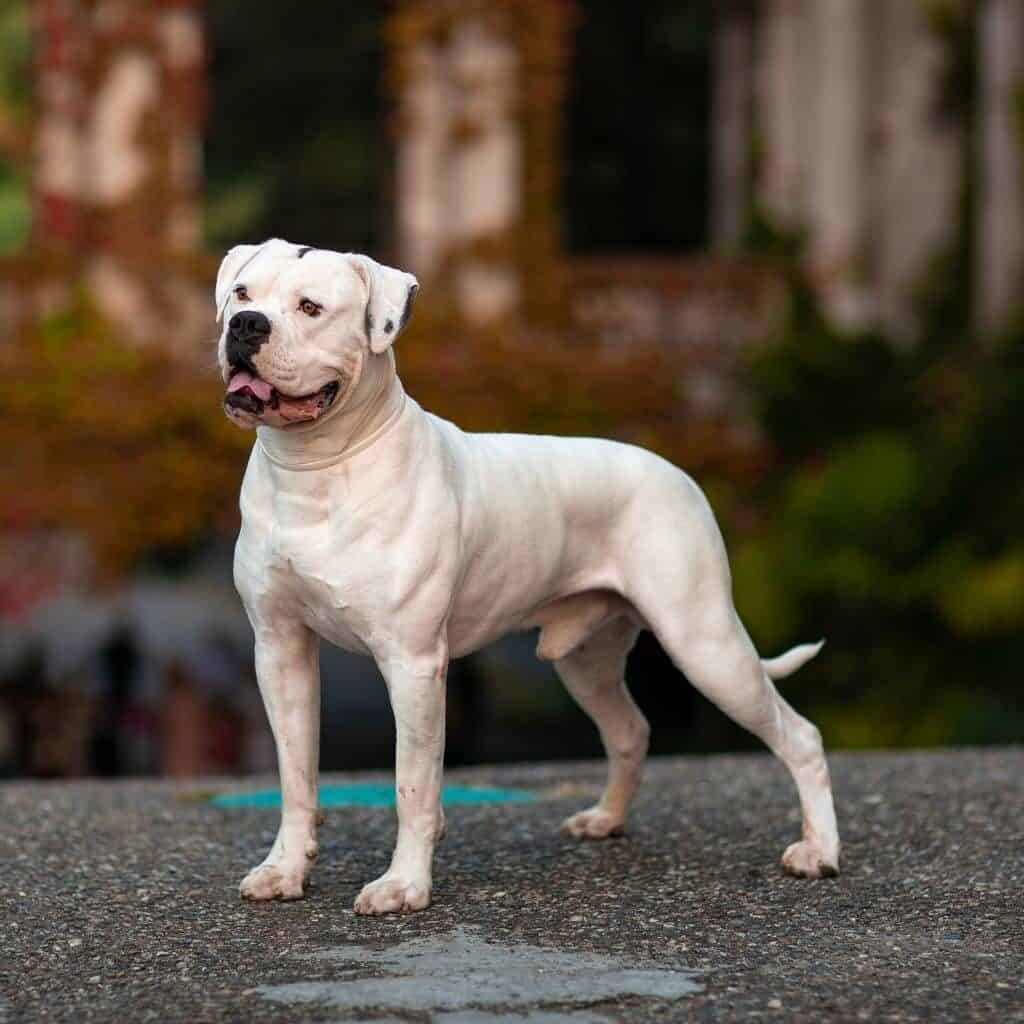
288 670
417 690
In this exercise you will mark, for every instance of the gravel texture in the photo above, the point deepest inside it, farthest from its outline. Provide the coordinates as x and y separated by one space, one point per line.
119 901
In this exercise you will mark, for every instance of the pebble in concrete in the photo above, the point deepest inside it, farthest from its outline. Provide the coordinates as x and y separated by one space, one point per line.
458 975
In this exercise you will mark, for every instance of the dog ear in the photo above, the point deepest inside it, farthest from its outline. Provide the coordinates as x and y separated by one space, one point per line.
230 266
389 306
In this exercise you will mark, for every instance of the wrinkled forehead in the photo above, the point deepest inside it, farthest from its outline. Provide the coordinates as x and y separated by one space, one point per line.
281 267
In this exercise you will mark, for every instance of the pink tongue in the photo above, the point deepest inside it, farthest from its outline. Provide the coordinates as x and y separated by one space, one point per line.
243 379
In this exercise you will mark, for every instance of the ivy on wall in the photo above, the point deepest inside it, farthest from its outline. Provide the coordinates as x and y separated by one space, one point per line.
113 441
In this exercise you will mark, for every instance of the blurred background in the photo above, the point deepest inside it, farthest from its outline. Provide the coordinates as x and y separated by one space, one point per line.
779 241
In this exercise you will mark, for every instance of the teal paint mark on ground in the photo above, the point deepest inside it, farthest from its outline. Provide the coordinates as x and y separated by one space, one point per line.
375 794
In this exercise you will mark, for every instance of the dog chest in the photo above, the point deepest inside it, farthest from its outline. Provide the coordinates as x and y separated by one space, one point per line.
291 560
300 584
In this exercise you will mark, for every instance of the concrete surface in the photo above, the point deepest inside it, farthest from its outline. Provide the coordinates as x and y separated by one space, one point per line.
118 902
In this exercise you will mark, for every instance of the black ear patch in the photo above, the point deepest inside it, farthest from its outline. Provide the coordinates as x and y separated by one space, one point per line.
304 249
407 312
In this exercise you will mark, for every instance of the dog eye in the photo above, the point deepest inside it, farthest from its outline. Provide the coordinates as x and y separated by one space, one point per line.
309 307
242 293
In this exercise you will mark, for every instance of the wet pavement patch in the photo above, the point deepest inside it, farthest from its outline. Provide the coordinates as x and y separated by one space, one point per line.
460 978
375 794
516 1017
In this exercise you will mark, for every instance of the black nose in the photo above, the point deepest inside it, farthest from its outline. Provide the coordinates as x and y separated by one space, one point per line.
246 332
249 326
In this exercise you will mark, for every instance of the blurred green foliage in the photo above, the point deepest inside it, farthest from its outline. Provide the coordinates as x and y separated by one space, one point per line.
892 526
97 432
15 211
15 56
893 515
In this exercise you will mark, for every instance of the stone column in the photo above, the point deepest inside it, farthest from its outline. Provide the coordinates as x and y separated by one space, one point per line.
842 193
918 162
60 65
999 244
479 95
731 121
181 47
787 103
119 92
459 161
485 200
422 140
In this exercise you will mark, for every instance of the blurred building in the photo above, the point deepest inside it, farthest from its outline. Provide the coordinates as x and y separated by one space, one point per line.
874 122
116 174
616 173
856 125
498 122
875 132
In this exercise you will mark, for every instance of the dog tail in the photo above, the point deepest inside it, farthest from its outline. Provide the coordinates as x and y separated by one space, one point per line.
786 664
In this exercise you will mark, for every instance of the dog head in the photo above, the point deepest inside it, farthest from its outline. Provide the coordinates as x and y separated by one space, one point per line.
298 324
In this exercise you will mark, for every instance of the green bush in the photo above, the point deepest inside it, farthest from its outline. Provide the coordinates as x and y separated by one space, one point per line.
893 526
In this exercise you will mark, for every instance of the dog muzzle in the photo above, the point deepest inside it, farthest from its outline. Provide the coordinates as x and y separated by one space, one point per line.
250 393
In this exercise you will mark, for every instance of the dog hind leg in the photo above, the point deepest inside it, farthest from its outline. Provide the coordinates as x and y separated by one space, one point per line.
593 673
718 658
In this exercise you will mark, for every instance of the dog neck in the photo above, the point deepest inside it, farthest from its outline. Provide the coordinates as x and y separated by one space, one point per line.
369 407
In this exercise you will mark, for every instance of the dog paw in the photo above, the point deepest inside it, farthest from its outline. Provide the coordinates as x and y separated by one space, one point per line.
807 859
272 882
593 823
392 896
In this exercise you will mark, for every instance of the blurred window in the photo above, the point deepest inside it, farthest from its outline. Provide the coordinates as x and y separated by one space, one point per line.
639 114
296 138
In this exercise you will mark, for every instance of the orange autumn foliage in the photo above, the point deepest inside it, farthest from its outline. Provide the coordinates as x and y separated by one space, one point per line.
119 443
130 447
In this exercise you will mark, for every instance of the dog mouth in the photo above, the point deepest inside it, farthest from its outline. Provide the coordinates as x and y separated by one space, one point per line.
249 393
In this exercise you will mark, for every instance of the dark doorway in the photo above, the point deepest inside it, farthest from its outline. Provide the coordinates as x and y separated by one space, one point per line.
295 140
639 108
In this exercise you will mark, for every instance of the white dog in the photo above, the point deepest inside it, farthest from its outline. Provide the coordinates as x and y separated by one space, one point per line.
390 532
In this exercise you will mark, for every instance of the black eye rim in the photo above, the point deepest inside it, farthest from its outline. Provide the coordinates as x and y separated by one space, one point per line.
309 307
241 292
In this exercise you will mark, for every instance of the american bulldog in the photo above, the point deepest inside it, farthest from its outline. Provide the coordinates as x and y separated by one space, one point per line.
390 532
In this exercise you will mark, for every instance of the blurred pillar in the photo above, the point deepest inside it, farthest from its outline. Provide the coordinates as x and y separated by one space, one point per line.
917 160
485 171
1000 222
731 120
787 110
425 113
119 94
842 194
479 94
60 64
855 152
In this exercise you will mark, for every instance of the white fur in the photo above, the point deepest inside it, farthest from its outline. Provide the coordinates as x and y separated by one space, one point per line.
391 532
